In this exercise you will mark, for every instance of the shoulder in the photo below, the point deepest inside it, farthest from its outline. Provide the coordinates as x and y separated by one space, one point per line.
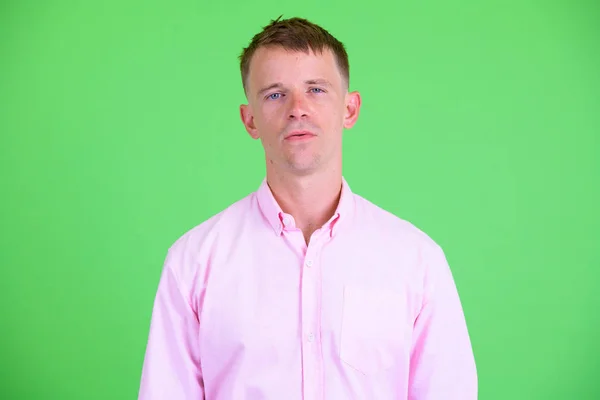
390 227
403 242
194 246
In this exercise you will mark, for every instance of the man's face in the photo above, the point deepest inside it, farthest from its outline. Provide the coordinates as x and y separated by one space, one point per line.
298 106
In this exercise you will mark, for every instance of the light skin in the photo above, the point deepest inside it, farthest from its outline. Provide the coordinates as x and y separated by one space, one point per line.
298 106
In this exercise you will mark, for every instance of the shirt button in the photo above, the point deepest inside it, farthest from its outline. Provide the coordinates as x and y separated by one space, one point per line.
286 221
309 263
311 337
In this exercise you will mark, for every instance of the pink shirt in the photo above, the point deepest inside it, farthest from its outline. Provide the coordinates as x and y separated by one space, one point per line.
246 310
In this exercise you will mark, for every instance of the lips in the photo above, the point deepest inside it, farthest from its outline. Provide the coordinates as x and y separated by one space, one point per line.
299 135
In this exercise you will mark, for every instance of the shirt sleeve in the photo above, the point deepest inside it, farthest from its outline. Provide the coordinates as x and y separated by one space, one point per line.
171 368
442 364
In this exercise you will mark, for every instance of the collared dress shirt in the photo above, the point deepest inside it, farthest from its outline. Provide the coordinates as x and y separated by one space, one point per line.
246 310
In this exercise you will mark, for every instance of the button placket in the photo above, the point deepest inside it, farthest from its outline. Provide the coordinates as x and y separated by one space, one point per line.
310 324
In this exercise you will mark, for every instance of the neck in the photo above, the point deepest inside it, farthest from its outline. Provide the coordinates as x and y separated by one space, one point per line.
311 200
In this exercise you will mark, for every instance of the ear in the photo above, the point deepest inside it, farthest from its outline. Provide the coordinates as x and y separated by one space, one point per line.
353 102
248 121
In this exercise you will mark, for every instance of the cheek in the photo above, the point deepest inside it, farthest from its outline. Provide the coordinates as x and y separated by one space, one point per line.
269 128
270 117
263 123
333 117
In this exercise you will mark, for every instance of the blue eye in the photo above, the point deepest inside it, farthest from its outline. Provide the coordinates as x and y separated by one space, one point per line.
319 90
272 96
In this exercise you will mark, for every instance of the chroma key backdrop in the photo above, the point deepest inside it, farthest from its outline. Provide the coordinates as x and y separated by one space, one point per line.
120 131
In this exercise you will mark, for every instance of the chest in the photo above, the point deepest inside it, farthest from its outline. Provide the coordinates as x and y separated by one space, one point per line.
359 303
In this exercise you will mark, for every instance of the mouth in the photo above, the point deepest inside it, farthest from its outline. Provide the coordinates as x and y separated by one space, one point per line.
299 135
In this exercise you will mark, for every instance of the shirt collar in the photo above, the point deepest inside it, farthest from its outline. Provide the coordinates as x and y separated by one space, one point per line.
276 217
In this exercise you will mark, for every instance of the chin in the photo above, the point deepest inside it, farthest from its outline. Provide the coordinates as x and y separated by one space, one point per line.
303 168
303 172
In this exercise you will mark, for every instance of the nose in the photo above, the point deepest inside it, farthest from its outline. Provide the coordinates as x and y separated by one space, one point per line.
298 106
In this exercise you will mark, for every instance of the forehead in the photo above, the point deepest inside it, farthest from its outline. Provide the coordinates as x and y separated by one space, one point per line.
276 64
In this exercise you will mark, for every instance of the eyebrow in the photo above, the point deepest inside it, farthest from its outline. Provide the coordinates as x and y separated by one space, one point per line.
272 86
323 82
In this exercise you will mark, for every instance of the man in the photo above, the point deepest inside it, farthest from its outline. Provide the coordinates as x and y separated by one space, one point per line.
304 290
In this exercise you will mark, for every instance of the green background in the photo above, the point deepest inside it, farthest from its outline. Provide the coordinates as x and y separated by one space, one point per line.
120 131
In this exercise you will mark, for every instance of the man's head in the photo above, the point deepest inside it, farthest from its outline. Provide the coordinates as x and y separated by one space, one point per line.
296 77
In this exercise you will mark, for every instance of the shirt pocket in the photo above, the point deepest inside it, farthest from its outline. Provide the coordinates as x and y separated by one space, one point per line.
374 329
